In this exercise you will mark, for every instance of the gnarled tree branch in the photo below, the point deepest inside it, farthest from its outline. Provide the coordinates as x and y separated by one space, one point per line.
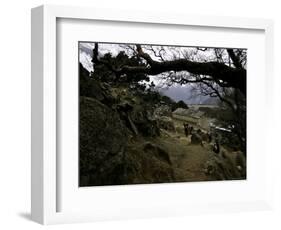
234 58
232 77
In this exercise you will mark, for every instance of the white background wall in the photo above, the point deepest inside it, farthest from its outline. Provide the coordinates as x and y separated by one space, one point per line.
15 113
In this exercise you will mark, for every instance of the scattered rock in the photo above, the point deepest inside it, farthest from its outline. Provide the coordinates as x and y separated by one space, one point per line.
196 139
166 123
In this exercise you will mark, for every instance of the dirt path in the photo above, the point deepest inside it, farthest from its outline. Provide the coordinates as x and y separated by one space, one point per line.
188 159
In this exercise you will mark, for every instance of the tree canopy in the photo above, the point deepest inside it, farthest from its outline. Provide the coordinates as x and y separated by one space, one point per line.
224 68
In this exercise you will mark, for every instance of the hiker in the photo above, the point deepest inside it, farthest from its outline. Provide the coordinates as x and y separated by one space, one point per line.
216 147
186 129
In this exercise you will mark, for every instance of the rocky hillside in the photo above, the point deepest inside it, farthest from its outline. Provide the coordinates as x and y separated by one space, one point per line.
114 126
129 136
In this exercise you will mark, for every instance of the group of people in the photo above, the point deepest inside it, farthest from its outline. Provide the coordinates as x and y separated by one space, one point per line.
202 136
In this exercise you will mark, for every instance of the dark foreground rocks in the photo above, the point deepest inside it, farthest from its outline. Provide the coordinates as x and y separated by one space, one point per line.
226 166
106 155
122 134
102 142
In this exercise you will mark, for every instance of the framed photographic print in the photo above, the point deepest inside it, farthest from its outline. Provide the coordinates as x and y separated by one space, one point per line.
141 114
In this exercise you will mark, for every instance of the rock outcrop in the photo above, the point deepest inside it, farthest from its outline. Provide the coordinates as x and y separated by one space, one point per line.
107 122
226 166
103 138
196 139
166 123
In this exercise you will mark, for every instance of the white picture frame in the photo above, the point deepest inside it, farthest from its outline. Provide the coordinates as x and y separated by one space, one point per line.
45 182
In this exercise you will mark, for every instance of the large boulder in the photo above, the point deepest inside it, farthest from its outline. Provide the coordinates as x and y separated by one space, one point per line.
157 151
107 157
226 166
149 163
144 121
196 139
102 142
166 123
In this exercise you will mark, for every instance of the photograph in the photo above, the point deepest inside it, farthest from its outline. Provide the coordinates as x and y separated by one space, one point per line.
156 113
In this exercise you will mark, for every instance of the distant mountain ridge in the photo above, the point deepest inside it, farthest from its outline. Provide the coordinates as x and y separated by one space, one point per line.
185 94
